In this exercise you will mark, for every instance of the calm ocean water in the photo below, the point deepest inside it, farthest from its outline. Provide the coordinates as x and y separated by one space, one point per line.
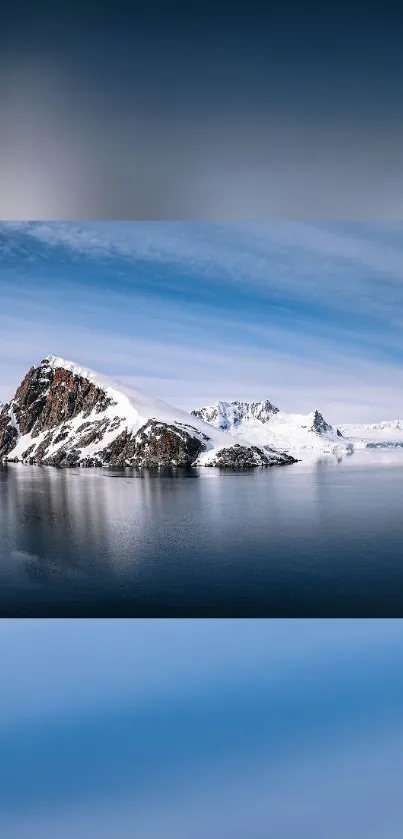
321 540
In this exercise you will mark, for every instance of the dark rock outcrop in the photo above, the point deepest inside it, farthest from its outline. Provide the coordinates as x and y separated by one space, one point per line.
8 433
319 424
249 457
156 444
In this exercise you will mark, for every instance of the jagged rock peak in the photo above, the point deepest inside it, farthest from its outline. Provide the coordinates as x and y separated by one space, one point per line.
319 424
55 391
227 415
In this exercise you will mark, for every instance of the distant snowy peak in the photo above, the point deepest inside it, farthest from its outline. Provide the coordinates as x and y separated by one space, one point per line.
230 415
387 428
261 423
64 414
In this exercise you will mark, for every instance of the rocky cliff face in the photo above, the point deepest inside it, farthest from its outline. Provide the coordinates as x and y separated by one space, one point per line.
8 433
62 415
50 396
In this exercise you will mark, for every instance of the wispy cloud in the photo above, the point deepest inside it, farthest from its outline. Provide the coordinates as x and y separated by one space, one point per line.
239 248
306 314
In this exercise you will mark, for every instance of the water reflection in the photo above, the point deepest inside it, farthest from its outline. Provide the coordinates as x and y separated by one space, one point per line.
316 539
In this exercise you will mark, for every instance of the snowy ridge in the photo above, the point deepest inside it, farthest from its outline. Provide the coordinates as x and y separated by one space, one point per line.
304 436
387 430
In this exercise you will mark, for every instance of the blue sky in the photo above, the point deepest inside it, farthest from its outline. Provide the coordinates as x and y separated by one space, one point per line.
309 315
201 728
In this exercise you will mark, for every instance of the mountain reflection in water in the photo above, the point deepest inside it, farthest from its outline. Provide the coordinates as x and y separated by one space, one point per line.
304 540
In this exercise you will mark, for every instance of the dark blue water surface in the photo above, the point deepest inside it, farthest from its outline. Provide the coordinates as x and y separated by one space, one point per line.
318 540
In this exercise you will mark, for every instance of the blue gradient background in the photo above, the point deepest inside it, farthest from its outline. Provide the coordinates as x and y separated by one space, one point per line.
192 729
201 728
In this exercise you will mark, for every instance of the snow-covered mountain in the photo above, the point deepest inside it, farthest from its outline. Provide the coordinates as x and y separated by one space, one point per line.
261 423
63 414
